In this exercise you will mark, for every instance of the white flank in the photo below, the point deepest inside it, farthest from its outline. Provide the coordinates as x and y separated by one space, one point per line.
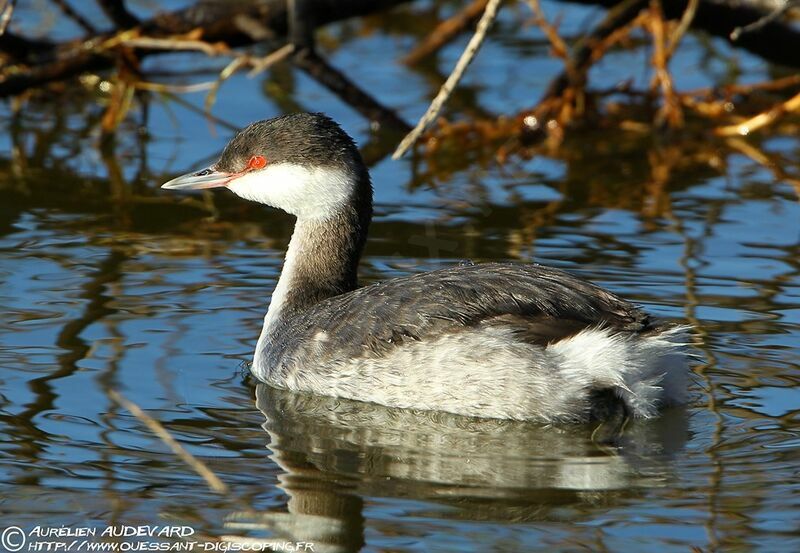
486 371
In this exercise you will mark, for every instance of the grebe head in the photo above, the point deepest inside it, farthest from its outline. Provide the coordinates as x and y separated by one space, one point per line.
302 163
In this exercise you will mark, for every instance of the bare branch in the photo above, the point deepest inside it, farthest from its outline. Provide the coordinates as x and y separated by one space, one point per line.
774 166
762 119
150 43
441 98
262 64
670 111
683 26
174 88
220 22
767 19
446 31
158 429
773 41
558 46
258 66
70 12
5 14
585 52
116 11
338 83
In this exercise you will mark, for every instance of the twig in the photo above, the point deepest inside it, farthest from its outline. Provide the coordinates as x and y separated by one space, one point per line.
253 28
70 12
761 120
338 83
774 166
572 97
262 64
226 72
156 428
764 21
590 48
116 11
168 44
302 24
218 22
773 85
472 48
259 65
5 14
560 48
683 26
175 88
193 108
770 86
671 110
119 104
446 31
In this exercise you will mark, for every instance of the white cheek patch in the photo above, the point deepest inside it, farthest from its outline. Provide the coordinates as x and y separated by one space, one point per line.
314 192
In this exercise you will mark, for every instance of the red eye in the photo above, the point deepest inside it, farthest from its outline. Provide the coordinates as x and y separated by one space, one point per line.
257 162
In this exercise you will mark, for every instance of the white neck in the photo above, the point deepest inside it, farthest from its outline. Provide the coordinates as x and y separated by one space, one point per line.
321 262
324 251
299 247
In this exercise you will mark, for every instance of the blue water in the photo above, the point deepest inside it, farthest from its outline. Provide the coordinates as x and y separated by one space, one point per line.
101 288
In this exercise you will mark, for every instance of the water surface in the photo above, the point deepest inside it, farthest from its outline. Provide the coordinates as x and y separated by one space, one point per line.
105 286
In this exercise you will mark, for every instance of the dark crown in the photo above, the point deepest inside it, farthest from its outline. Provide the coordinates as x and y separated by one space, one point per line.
310 139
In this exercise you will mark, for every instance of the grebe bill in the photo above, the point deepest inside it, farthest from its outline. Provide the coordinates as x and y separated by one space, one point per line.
497 340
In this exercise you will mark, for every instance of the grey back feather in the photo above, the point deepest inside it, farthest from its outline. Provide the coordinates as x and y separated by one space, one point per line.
542 304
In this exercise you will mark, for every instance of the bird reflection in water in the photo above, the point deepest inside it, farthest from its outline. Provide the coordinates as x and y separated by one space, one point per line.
334 452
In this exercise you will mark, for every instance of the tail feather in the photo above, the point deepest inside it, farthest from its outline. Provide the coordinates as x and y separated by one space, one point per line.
647 371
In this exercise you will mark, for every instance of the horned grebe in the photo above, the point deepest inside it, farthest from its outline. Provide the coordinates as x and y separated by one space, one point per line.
495 340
